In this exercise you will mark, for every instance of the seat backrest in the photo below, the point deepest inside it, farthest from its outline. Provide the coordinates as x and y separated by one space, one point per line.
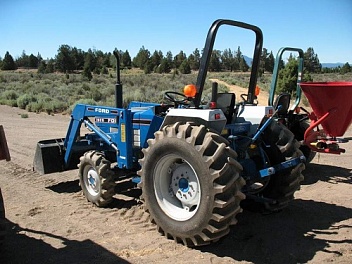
282 99
226 102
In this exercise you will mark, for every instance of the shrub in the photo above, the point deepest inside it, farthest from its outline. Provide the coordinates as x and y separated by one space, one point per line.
24 100
10 95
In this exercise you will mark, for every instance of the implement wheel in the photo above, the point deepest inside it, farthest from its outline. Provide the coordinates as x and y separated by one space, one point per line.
96 178
191 184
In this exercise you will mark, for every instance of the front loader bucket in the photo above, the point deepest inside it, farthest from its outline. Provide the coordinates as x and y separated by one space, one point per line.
49 156
331 102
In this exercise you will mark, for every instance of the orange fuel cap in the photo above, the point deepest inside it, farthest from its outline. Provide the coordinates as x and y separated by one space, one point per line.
190 90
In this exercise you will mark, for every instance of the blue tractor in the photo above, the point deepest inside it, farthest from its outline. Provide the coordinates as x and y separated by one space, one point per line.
197 163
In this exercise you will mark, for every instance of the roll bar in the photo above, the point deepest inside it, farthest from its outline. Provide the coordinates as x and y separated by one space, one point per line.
207 51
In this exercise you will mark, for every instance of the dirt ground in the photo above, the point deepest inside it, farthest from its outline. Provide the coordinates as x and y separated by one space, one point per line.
51 222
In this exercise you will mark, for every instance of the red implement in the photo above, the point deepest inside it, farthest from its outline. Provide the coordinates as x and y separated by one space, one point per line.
334 98
332 109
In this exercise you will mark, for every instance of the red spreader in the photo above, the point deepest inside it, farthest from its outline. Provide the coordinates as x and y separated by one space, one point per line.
332 109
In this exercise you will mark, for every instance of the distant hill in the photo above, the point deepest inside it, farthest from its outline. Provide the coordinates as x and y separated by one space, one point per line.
248 60
324 65
332 65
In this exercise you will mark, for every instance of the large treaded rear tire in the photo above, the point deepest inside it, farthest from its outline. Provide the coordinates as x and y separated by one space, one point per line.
278 190
191 184
283 184
96 178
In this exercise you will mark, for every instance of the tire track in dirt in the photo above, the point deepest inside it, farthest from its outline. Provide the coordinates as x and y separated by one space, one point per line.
79 213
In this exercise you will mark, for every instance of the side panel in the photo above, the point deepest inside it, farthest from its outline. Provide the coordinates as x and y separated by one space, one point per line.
211 118
254 114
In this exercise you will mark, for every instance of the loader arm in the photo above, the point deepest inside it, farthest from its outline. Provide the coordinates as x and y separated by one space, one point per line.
118 141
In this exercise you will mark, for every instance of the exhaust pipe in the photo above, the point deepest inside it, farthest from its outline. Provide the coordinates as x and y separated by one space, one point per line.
118 85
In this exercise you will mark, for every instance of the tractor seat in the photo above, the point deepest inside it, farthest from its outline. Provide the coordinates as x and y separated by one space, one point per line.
282 99
226 102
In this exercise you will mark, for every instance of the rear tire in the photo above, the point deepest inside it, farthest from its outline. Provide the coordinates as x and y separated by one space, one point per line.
96 178
281 146
191 184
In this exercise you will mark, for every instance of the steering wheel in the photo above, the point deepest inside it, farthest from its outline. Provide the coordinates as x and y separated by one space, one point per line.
173 97
244 97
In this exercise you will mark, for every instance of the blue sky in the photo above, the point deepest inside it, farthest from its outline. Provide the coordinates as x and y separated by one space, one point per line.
174 25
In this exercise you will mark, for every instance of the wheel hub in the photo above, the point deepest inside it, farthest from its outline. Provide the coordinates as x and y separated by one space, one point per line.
92 182
184 184
177 187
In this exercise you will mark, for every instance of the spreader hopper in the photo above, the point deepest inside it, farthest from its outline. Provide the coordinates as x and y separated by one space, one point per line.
332 109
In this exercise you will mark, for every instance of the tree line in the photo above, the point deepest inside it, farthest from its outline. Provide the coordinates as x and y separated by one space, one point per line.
71 59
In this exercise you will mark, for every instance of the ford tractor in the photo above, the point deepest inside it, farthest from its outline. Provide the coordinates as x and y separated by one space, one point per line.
197 163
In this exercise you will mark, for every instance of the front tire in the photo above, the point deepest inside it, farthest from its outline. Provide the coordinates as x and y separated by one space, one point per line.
191 184
96 178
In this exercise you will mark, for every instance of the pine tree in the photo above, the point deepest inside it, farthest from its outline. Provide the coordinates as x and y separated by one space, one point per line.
42 67
215 62
126 60
50 67
311 61
262 60
141 58
23 60
287 81
227 59
170 59
78 56
155 59
32 61
8 63
345 68
164 66
65 61
90 60
269 63
194 60
87 72
185 68
179 58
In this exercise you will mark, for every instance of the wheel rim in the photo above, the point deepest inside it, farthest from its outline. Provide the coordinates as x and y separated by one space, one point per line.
177 187
92 182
